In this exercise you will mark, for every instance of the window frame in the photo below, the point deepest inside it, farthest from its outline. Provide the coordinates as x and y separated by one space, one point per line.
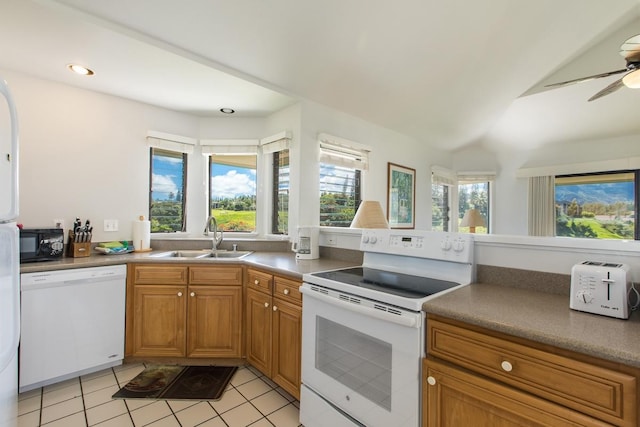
209 162
275 192
152 152
592 175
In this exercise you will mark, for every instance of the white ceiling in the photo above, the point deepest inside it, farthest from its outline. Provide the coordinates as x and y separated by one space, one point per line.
450 73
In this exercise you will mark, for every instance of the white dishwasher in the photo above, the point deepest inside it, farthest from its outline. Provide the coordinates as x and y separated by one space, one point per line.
72 323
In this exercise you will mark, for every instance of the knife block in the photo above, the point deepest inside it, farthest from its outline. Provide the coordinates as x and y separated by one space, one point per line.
77 249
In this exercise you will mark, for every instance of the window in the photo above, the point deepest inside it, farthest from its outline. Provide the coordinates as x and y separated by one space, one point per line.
280 210
232 190
440 206
341 165
339 195
598 205
167 190
473 196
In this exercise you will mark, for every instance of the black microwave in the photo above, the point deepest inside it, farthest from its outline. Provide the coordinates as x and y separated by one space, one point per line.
41 244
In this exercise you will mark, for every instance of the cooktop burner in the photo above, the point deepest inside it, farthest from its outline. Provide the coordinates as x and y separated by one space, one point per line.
399 284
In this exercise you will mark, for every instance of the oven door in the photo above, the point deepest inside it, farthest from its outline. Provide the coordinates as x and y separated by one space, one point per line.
362 357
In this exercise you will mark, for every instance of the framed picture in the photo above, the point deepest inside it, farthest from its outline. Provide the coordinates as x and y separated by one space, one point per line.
401 196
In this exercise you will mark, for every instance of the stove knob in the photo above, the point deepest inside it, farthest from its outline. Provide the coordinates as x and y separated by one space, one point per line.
458 245
584 296
445 245
365 239
373 239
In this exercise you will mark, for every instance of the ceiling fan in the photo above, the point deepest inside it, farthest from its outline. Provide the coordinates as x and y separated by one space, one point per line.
630 51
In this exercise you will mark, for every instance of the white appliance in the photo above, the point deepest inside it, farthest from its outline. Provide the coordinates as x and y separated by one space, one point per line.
363 328
72 323
601 288
306 245
9 259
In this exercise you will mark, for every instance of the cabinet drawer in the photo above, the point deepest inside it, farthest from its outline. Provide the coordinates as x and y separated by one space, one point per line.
287 290
160 275
225 275
603 393
259 280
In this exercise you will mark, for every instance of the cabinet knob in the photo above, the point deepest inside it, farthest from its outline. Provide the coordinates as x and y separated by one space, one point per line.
256 282
431 380
193 294
286 291
506 366
266 304
275 308
179 294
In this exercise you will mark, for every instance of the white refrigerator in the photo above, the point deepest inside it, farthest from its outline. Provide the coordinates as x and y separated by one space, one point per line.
9 260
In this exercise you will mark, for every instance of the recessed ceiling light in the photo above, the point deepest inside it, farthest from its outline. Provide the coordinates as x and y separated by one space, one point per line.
79 69
227 110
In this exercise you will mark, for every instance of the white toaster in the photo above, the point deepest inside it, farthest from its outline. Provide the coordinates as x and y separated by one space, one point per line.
601 288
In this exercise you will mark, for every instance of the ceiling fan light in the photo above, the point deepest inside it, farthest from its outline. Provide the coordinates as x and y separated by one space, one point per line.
632 80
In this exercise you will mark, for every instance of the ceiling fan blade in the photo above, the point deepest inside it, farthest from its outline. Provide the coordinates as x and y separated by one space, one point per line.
609 89
584 79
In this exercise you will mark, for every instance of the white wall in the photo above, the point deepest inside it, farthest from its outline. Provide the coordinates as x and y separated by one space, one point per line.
85 154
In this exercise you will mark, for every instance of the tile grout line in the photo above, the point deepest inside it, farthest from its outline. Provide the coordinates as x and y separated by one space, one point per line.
84 406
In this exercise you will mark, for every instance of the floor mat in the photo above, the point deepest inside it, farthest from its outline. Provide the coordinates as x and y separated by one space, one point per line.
178 382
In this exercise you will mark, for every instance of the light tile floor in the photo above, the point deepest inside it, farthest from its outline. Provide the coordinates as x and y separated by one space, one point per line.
251 399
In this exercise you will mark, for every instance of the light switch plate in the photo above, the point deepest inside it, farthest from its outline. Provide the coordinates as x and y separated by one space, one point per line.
110 225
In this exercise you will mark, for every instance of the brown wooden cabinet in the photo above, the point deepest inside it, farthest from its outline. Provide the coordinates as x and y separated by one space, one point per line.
274 328
184 311
474 376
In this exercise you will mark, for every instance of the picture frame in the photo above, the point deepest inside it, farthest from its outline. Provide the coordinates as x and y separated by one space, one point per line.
401 196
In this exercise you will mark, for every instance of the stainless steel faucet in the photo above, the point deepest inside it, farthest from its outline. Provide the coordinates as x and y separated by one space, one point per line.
217 234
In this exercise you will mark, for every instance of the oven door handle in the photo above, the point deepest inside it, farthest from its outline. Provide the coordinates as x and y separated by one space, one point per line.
412 321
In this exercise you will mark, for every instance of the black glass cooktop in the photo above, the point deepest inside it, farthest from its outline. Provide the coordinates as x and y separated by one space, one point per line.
403 285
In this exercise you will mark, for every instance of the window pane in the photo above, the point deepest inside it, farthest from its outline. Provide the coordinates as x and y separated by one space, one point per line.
440 207
166 200
280 218
339 195
474 196
232 191
600 206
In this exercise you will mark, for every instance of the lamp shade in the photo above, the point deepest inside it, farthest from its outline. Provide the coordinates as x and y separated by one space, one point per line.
473 218
369 215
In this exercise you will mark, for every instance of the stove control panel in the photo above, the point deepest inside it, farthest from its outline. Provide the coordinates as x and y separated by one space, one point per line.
423 244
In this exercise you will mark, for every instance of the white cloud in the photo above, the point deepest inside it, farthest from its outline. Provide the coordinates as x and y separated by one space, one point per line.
163 184
232 184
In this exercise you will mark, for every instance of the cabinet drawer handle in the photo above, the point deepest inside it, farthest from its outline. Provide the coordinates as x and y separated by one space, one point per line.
431 380
286 292
506 366
256 282
275 308
193 294
266 304
179 294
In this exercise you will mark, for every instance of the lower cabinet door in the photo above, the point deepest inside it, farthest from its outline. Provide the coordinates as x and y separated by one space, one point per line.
159 320
258 340
453 397
287 346
215 321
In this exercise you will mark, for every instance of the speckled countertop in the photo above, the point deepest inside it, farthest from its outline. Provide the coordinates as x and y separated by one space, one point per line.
278 262
543 317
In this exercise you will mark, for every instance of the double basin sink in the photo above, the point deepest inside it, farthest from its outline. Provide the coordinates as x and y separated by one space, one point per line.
205 253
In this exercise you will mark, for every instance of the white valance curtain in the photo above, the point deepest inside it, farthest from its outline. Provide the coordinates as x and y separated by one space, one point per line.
470 177
229 146
541 206
167 141
274 143
342 152
443 176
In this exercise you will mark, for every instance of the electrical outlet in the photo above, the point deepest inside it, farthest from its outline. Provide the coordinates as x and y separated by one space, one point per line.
110 225
332 240
58 223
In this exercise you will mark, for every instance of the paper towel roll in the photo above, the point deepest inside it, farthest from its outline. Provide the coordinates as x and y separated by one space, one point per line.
141 234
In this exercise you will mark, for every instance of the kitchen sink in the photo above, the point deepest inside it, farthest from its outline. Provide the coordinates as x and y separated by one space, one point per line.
205 253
